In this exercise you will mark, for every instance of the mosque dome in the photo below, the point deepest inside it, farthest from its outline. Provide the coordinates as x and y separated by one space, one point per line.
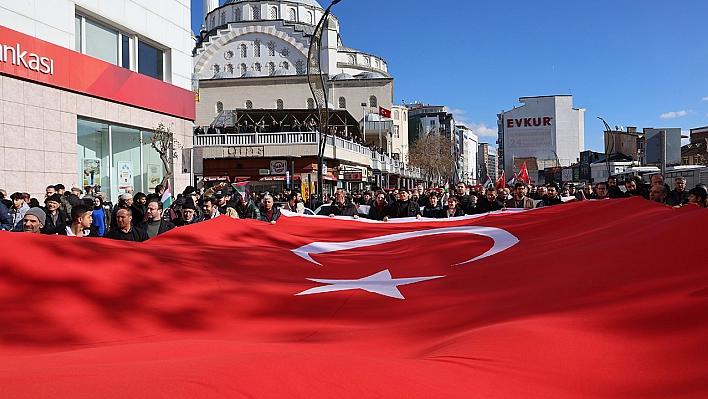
343 76
251 74
370 75
283 72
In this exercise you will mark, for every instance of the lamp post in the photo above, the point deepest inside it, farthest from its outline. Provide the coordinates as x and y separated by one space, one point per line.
609 136
319 89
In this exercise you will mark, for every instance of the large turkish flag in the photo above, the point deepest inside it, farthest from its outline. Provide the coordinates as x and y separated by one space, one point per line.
593 299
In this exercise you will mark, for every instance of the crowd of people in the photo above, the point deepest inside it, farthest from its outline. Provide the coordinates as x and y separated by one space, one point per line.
140 216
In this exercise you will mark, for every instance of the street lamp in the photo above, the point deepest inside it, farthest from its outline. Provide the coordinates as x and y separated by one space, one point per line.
319 89
609 137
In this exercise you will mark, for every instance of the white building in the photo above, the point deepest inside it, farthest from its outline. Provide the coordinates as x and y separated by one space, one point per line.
469 151
547 128
82 82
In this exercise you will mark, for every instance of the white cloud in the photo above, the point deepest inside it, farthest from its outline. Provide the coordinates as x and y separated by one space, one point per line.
672 114
481 130
458 114
704 99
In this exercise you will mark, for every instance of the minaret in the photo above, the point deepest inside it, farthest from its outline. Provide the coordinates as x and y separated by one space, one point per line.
209 6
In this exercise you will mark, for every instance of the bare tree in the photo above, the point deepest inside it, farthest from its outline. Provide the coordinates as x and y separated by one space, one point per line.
164 143
435 155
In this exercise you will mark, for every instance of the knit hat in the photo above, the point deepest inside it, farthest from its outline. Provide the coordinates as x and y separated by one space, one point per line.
39 213
54 197
189 204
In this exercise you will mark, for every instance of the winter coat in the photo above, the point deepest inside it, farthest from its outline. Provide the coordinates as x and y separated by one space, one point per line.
18 216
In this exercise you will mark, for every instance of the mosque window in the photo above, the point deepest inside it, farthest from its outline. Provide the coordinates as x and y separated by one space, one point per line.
219 106
367 61
256 11
216 68
257 48
395 115
310 18
229 54
351 59
271 68
237 13
242 69
285 65
373 103
284 52
404 116
274 13
249 104
300 67
230 68
257 67
377 64
242 50
310 103
291 14
271 49
279 104
342 102
223 18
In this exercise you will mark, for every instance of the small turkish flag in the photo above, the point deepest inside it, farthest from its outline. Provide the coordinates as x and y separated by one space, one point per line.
384 112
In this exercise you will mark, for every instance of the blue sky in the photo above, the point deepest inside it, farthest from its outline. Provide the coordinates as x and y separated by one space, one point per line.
635 63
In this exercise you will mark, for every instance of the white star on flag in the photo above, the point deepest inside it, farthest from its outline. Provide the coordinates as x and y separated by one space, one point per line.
380 283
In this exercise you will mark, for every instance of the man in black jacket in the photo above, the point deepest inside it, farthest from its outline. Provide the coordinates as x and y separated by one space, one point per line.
124 229
342 206
56 217
489 203
155 224
403 207
467 202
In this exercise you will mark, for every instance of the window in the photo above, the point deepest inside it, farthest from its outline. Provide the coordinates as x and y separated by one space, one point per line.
242 69
150 61
285 65
377 64
242 50
216 68
230 68
229 54
284 52
213 21
279 104
350 59
78 33
310 18
310 103
249 104
291 14
274 13
367 61
342 102
373 103
271 68
219 106
404 116
256 11
257 67
257 48
395 115
395 131
271 48
223 18
237 13
101 42
300 67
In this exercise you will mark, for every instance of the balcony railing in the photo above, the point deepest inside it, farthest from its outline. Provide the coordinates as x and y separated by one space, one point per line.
380 162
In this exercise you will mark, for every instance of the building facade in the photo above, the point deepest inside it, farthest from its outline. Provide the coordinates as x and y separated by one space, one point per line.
547 128
82 86
488 161
468 154
250 62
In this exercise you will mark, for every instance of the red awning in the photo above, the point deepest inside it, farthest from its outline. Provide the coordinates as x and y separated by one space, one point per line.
276 178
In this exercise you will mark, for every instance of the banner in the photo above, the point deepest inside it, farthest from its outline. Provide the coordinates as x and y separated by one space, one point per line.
493 306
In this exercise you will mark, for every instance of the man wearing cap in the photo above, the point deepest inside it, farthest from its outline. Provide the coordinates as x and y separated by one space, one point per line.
124 229
188 214
56 217
33 221
155 224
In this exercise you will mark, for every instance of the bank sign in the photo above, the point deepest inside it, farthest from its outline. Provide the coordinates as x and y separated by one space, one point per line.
29 58
532 132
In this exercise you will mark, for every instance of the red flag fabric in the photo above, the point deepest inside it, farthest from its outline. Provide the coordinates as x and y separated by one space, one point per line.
524 174
386 113
548 303
501 181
